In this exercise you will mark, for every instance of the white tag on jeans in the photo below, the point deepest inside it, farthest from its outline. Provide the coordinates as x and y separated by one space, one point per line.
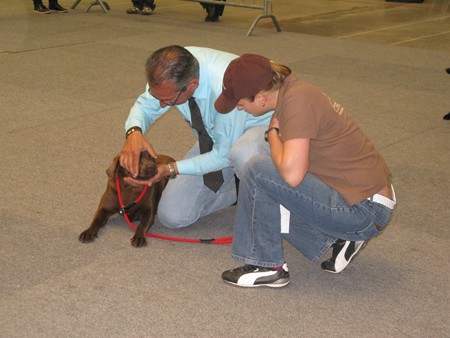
285 217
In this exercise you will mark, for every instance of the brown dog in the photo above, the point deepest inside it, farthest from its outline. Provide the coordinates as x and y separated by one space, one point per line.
145 210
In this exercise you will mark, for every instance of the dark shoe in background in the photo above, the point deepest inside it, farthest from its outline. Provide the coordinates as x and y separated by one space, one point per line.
58 8
447 116
147 11
41 9
212 16
134 10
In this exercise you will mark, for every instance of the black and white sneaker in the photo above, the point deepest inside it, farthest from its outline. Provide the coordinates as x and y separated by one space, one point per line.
251 276
343 253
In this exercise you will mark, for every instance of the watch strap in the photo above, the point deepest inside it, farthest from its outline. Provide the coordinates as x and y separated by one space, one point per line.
132 130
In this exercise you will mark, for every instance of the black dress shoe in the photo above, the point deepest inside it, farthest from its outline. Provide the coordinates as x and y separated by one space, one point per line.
58 8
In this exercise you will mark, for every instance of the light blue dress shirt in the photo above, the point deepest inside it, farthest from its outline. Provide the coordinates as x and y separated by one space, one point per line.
224 129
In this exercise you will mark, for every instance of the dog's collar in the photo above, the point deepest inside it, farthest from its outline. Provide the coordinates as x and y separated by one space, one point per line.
124 208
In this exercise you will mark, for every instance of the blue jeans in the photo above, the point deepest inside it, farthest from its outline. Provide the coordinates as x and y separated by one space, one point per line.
186 198
318 216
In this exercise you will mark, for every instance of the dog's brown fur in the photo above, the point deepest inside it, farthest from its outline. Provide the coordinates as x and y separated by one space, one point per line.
145 210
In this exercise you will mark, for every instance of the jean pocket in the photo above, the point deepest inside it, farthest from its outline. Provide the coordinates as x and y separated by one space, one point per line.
371 230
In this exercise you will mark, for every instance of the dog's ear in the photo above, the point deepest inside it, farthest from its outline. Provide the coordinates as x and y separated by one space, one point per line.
112 168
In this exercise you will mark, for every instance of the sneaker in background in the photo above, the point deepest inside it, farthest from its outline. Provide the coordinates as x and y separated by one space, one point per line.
134 10
147 11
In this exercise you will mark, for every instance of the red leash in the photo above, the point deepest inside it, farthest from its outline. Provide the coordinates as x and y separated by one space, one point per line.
124 208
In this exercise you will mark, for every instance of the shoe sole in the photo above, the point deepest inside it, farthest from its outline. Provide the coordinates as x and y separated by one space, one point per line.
357 251
271 285
49 12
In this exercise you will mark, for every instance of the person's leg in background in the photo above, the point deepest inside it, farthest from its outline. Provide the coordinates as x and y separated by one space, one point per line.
219 11
40 8
137 7
148 7
447 116
213 11
210 10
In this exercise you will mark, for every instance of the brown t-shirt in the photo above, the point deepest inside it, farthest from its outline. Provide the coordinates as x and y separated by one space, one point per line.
341 155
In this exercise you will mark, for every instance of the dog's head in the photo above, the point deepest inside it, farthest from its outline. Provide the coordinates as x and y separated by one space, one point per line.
147 167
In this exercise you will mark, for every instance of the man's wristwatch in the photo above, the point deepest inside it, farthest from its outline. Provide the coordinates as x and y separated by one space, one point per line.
132 130
172 173
266 134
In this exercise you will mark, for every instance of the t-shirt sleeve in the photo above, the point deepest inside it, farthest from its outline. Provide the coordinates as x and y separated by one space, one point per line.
299 118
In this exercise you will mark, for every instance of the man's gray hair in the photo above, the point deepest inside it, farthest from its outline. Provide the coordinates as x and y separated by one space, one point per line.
172 63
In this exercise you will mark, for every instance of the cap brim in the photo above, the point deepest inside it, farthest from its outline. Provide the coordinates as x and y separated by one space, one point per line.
224 105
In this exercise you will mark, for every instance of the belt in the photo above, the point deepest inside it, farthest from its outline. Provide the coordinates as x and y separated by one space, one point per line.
380 199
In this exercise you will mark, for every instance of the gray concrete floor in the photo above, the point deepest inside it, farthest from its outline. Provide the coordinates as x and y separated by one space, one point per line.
420 25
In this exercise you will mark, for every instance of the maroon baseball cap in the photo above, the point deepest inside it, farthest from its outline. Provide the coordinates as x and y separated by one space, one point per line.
245 76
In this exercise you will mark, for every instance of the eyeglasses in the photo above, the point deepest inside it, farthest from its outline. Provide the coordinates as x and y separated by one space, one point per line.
167 103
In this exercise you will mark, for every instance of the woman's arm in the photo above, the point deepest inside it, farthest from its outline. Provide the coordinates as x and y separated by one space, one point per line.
291 157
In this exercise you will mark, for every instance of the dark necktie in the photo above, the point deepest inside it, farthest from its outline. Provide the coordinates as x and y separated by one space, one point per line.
212 180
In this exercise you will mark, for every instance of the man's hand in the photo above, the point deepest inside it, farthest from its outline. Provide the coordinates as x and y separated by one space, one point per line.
161 172
130 154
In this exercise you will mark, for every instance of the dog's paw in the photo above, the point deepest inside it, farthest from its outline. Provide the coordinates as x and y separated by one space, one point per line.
88 236
138 241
